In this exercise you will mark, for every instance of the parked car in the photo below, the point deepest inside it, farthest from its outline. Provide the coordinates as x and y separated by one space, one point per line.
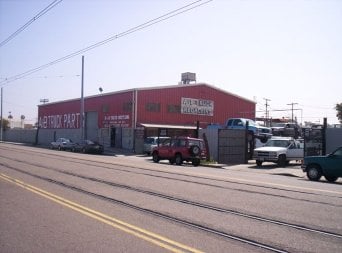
88 146
264 133
180 149
62 144
286 129
153 141
280 150
329 166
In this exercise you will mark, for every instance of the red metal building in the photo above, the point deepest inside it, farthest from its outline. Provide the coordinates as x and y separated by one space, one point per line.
156 107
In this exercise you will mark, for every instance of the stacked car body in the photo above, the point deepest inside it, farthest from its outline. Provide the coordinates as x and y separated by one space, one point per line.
254 129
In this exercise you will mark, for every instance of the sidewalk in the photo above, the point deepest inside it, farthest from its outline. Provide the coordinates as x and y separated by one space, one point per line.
293 170
118 151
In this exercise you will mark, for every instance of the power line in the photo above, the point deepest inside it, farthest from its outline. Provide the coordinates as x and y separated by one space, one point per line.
41 13
149 23
49 77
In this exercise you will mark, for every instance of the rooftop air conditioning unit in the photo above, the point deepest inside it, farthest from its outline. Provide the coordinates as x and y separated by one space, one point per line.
188 77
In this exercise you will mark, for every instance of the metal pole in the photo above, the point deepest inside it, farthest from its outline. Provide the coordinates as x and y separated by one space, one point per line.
324 136
82 100
1 126
292 104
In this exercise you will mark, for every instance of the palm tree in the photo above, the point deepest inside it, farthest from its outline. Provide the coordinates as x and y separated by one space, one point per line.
338 108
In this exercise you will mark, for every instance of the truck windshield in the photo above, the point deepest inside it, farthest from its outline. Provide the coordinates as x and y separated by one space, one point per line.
250 122
278 143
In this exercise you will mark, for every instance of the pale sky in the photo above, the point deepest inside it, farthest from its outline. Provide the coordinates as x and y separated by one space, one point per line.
286 51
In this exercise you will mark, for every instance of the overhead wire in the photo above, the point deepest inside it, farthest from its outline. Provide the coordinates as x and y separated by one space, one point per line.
142 26
41 13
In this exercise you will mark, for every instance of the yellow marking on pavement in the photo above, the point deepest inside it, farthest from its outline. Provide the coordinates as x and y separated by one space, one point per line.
126 227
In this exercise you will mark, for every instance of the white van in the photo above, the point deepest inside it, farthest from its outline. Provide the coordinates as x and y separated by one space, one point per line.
151 142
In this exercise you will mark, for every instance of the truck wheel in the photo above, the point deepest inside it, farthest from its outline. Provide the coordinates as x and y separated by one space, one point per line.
155 157
196 162
178 159
330 178
258 162
282 161
314 172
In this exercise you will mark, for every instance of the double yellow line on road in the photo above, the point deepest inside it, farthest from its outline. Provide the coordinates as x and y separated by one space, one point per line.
121 225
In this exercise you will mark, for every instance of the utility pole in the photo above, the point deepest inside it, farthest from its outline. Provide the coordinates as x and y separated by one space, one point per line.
267 105
292 104
82 101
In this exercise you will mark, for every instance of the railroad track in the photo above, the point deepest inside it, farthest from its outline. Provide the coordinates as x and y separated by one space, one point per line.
184 222
162 174
159 214
180 200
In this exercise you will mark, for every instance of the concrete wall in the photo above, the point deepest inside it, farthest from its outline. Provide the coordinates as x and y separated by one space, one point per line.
139 141
46 136
20 135
125 140
128 138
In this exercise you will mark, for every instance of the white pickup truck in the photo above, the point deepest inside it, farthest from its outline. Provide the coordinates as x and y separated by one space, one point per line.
280 150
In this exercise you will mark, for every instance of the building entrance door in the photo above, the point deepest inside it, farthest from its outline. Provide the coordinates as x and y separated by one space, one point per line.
112 136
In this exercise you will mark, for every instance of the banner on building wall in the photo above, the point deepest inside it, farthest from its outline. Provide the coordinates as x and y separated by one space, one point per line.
60 121
197 106
116 121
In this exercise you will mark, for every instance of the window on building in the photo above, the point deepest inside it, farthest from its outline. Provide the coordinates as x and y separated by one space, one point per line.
127 107
152 107
174 108
105 108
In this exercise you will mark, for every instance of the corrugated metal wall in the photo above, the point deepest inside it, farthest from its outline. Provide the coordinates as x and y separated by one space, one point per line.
225 105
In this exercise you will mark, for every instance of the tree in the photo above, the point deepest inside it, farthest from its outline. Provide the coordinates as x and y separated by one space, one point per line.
5 124
339 111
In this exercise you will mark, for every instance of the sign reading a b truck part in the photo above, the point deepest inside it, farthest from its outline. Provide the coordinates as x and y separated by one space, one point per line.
67 120
197 106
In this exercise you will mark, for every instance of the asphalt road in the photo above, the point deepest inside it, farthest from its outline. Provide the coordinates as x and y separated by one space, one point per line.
55 201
